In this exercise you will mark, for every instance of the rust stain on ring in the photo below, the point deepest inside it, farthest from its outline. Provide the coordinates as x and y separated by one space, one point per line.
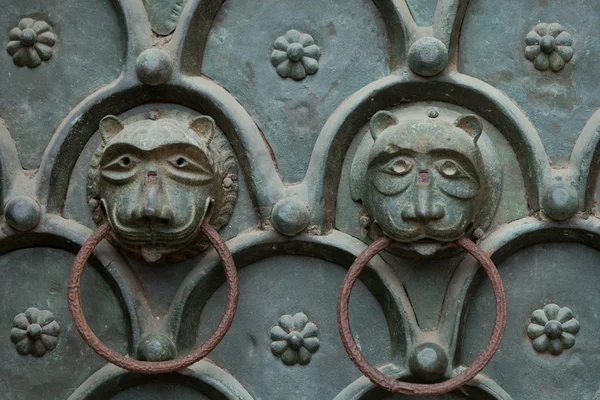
146 367
416 389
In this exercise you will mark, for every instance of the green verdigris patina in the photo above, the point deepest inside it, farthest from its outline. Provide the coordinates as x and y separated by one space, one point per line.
350 122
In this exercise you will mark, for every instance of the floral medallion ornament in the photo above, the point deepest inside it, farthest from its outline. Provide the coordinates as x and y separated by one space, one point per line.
35 332
553 329
294 339
548 46
31 43
295 55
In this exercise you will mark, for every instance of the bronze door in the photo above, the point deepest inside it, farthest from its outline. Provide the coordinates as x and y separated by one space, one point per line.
283 199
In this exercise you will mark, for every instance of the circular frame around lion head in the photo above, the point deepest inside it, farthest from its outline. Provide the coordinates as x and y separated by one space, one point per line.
426 179
155 180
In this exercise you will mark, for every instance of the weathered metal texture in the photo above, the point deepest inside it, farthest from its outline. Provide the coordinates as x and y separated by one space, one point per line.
158 366
294 89
203 377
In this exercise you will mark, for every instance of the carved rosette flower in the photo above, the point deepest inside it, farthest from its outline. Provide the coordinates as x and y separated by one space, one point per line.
35 332
553 329
548 46
295 55
294 339
31 43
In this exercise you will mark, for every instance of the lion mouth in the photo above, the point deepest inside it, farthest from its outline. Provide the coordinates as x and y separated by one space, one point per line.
154 233
428 237
426 241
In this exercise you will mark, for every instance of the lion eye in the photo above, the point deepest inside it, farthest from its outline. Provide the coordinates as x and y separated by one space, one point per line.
450 169
124 162
190 170
181 162
184 163
399 167
120 169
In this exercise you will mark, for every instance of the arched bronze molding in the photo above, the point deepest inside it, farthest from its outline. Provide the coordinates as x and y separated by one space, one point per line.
57 232
363 386
126 284
72 134
137 30
404 32
437 368
447 23
202 376
158 363
198 94
10 164
323 174
400 26
500 244
584 157
253 151
336 247
199 15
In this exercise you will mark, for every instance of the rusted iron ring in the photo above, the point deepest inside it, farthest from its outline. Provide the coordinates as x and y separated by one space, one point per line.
147 367
414 389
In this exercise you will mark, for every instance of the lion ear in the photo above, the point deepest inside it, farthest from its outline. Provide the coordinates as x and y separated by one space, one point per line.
205 128
470 124
380 122
110 126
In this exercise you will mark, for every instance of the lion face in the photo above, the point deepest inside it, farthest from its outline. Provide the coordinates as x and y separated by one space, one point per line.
157 181
423 185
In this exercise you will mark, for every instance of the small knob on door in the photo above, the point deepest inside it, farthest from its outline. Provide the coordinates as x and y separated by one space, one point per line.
156 347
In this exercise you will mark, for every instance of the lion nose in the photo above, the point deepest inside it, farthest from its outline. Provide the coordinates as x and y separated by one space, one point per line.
155 208
423 209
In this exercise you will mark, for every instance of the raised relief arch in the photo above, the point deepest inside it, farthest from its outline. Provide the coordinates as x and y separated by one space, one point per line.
274 199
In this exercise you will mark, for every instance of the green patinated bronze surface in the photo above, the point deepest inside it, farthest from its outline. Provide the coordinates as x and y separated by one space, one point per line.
302 132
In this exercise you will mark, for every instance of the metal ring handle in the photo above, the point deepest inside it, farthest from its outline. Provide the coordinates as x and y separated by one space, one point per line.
147 367
415 389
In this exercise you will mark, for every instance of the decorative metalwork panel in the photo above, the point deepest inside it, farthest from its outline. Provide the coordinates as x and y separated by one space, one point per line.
274 199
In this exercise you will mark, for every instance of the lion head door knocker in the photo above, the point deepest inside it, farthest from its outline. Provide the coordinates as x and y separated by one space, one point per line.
154 181
159 188
426 182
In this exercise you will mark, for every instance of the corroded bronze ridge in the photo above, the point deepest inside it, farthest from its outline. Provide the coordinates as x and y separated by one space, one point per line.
74 301
414 389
